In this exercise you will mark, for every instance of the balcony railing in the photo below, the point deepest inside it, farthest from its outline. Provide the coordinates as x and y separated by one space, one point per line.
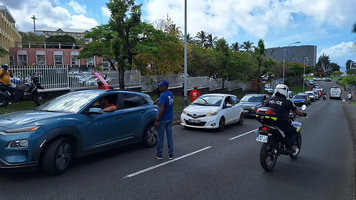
50 45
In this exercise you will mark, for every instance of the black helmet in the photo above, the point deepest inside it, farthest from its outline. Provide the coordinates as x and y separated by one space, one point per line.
5 66
35 79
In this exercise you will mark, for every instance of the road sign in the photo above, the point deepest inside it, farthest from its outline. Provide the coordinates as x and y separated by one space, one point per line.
351 87
353 65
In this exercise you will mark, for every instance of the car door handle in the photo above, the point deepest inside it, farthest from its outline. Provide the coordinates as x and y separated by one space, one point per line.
118 116
142 111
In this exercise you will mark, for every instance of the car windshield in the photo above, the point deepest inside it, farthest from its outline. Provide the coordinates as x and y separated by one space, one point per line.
208 101
249 98
299 97
68 103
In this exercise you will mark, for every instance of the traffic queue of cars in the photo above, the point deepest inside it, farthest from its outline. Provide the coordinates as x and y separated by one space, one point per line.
74 125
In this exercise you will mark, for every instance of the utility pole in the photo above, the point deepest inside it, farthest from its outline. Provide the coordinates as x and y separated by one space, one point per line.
34 23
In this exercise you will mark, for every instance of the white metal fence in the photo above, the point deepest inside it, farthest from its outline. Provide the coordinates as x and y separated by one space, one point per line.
65 78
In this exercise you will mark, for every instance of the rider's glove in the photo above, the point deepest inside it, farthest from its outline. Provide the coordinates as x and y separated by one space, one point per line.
304 114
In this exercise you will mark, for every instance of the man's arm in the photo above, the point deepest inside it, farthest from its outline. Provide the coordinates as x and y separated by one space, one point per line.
110 108
11 75
162 107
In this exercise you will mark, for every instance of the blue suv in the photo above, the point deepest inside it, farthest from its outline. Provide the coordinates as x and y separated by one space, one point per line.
73 125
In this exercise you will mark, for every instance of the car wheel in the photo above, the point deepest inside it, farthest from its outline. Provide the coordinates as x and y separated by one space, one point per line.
3 101
241 120
221 124
150 136
57 157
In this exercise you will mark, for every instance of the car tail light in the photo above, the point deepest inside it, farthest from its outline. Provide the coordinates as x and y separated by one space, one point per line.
264 128
258 110
270 112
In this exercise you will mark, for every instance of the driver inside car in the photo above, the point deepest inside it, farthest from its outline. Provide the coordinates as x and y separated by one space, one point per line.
106 105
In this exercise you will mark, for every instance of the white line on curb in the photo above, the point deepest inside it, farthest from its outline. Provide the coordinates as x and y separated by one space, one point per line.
243 134
165 163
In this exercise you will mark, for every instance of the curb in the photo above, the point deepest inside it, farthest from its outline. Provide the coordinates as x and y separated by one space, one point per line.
176 122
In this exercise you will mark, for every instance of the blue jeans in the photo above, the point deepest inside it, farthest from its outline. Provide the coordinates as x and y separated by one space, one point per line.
165 127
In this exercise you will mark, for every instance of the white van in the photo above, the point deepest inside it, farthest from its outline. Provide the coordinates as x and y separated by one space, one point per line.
335 92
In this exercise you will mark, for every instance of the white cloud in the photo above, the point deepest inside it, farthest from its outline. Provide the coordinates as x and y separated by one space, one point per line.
105 11
77 7
339 50
256 18
48 14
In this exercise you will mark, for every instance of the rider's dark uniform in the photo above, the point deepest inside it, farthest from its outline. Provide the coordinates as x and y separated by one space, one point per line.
283 105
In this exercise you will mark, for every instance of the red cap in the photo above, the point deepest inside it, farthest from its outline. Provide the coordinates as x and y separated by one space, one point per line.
195 87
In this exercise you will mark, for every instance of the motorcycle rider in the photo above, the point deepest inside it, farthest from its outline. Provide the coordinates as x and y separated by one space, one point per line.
282 105
5 75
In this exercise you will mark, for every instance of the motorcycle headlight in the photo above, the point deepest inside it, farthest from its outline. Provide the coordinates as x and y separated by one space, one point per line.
212 113
21 130
252 108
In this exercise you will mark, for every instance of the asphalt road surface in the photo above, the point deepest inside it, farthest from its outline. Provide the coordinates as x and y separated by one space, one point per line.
209 165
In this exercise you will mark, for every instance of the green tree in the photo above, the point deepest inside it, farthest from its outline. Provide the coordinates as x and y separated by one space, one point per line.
210 41
348 64
235 47
260 57
324 62
159 53
101 44
125 21
223 60
202 38
202 62
247 46
354 30
335 66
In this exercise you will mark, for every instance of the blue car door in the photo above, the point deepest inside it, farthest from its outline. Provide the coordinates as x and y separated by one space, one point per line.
105 129
137 114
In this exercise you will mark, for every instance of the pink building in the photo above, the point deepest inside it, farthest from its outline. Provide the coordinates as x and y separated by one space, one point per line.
20 56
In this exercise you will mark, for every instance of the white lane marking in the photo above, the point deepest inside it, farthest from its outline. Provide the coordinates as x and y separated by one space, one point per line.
166 163
243 134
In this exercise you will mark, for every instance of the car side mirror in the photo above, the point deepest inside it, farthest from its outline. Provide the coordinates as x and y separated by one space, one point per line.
304 107
94 111
228 105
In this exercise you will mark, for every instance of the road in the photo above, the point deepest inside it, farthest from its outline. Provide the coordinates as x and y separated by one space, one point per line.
209 165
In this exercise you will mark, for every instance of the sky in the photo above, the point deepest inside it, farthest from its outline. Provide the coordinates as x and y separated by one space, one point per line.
324 23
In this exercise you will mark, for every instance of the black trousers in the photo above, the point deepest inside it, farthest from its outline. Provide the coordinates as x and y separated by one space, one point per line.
290 131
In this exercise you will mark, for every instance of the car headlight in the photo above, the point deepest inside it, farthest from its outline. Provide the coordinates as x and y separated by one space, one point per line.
22 130
212 113
18 143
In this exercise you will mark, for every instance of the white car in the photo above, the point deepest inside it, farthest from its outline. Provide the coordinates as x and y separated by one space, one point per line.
311 95
335 92
213 111
268 89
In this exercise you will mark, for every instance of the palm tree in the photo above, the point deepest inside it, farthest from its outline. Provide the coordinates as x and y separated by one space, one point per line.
247 46
202 38
354 28
235 47
210 41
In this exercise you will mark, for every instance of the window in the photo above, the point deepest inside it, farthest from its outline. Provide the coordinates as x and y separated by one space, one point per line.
40 60
234 100
74 59
132 100
90 61
12 61
22 59
58 60
105 65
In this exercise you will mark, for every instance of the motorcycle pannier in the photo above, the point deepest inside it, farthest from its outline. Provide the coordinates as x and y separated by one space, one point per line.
266 115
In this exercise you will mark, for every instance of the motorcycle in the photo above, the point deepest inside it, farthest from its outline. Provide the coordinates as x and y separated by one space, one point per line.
23 91
324 96
273 138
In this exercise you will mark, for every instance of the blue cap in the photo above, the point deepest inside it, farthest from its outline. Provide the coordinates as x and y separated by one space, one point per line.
163 82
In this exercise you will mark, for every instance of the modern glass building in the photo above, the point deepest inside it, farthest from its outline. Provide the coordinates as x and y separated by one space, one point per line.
295 54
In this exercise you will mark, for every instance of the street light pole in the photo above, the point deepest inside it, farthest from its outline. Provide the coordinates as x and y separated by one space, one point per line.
284 57
185 103
304 73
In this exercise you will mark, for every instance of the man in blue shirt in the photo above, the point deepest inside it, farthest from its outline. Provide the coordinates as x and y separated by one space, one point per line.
164 119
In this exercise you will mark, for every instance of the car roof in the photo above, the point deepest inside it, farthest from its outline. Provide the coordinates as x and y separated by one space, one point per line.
100 91
254 95
218 94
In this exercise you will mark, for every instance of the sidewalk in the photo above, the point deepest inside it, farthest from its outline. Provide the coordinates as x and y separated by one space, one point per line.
176 117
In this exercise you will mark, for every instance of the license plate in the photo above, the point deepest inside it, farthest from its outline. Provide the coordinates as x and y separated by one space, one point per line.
194 120
246 111
262 138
